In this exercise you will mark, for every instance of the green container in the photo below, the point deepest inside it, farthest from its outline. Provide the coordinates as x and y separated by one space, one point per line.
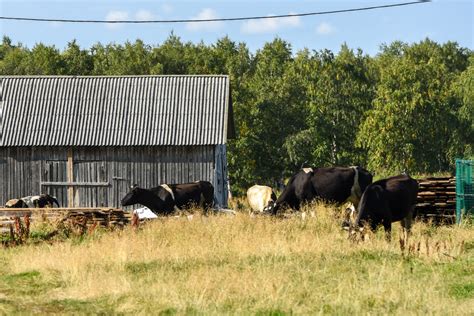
464 189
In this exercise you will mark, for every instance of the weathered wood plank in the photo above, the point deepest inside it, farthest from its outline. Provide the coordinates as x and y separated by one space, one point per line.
77 184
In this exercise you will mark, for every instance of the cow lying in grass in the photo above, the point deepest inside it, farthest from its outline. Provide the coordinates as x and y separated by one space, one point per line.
35 201
166 198
16 203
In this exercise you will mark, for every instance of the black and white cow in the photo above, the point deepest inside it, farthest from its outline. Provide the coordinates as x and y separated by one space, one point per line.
33 201
261 198
332 184
16 203
167 198
386 201
44 200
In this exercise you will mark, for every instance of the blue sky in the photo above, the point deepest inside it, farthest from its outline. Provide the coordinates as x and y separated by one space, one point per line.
443 20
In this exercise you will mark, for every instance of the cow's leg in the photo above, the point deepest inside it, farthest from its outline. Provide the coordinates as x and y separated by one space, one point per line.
406 224
387 225
388 231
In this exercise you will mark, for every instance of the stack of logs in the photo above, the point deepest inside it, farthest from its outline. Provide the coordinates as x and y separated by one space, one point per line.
87 217
437 199
115 218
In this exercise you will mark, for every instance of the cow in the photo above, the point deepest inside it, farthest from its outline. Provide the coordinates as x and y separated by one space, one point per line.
166 198
331 184
261 198
34 201
16 203
44 200
386 201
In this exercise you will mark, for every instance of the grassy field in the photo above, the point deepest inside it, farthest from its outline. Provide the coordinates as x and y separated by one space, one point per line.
224 264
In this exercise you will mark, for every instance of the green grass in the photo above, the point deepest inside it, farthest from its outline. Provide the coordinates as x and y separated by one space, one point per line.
242 265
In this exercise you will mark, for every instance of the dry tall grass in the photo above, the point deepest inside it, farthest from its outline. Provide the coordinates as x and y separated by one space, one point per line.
249 264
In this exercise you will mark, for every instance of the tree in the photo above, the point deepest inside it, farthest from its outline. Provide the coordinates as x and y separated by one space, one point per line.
77 61
339 90
128 59
44 60
170 56
464 91
413 119
270 114
13 59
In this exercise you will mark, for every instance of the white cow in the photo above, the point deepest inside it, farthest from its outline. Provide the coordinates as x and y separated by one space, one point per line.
260 198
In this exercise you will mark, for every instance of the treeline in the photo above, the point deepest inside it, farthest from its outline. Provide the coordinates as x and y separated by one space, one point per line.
409 108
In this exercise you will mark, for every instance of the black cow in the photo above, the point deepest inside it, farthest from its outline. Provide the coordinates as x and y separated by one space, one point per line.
332 184
386 201
164 199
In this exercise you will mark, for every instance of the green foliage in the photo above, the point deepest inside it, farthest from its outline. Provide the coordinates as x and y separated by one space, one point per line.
464 91
13 58
411 107
412 123
77 61
339 94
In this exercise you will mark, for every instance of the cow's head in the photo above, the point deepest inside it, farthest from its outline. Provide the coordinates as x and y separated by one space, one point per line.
134 196
357 231
275 208
270 206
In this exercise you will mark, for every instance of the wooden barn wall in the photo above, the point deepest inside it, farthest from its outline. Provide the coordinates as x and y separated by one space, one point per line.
108 172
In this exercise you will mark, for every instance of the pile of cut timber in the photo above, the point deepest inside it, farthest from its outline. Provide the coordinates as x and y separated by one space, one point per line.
105 217
437 199
7 216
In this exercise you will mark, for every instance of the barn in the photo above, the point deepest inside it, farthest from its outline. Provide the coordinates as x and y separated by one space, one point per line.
86 140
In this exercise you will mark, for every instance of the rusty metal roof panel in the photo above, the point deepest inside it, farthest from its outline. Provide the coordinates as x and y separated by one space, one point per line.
114 110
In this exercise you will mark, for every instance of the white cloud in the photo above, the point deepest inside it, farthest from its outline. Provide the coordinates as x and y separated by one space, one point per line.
325 28
56 24
144 15
270 25
115 16
167 8
204 26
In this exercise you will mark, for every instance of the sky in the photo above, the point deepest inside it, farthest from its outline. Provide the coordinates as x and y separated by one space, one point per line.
442 21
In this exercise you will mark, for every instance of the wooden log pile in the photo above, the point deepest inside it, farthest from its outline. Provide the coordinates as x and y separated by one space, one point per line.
114 218
437 199
86 217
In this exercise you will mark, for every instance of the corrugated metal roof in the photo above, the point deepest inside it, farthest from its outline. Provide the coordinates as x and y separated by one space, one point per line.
114 111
